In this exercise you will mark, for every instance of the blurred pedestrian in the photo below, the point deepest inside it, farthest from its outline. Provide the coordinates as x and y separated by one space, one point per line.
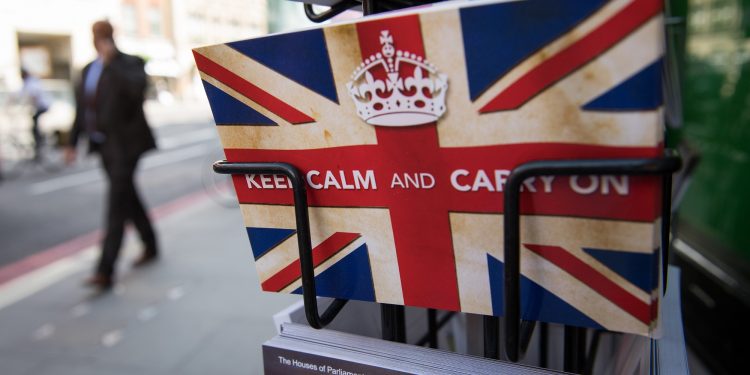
109 112
33 93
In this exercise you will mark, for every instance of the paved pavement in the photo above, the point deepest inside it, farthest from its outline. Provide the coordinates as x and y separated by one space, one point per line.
41 209
198 310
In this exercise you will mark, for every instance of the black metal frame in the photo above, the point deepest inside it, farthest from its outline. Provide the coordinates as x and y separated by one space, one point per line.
333 11
368 7
517 331
393 322
393 319
309 293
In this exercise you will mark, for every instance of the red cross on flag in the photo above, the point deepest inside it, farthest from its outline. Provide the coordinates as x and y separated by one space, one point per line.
406 127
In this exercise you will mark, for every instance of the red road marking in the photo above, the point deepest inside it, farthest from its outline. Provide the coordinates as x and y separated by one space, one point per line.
78 244
41 259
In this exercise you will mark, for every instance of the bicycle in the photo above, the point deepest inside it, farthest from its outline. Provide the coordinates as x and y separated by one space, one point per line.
19 151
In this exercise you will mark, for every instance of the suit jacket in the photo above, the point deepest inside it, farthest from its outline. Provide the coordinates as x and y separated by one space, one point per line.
119 108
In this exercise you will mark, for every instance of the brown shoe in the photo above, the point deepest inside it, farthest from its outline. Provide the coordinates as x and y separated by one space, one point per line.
144 260
99 281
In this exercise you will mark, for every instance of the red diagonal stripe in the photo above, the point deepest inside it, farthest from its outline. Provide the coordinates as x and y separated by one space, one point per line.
326 249
252 92
595 280
575 56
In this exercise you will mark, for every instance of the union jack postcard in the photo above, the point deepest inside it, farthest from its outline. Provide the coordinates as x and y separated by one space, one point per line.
406 126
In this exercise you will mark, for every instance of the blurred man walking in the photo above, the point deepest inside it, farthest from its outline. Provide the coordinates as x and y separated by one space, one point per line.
109 113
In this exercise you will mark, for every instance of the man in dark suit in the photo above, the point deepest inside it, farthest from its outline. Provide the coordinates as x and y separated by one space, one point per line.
109 112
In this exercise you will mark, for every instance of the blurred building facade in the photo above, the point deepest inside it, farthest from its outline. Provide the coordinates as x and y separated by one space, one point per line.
286 15
53 38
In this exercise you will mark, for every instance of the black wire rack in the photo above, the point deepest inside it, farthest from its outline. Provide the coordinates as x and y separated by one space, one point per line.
367 7
517 331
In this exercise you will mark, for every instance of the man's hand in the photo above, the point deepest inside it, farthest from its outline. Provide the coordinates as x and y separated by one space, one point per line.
70 155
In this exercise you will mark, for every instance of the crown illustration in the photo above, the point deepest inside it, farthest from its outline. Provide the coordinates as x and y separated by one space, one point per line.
399 100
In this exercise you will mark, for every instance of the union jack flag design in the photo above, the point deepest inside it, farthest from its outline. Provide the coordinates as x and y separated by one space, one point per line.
406 126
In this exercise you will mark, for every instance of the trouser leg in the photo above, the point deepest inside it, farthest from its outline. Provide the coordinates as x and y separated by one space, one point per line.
141 221
120 176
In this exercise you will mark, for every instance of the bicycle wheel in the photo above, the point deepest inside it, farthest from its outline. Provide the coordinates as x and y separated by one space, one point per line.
13 154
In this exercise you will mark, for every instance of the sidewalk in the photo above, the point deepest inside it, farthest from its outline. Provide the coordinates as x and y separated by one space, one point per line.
197 311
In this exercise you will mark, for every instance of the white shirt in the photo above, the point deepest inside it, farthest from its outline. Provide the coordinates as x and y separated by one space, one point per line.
33 92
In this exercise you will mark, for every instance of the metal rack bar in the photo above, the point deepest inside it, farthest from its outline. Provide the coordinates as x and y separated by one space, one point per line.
368 7
543 344
663 166
666 223
433 329
333 11
491 337
393 322
575 349
309 293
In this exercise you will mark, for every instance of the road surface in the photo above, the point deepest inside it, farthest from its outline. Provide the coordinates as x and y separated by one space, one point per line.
39 210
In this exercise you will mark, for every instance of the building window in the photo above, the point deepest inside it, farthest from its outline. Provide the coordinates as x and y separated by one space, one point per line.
155 21
129 19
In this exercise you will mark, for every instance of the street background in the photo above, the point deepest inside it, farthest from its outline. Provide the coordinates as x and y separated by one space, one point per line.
198 310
